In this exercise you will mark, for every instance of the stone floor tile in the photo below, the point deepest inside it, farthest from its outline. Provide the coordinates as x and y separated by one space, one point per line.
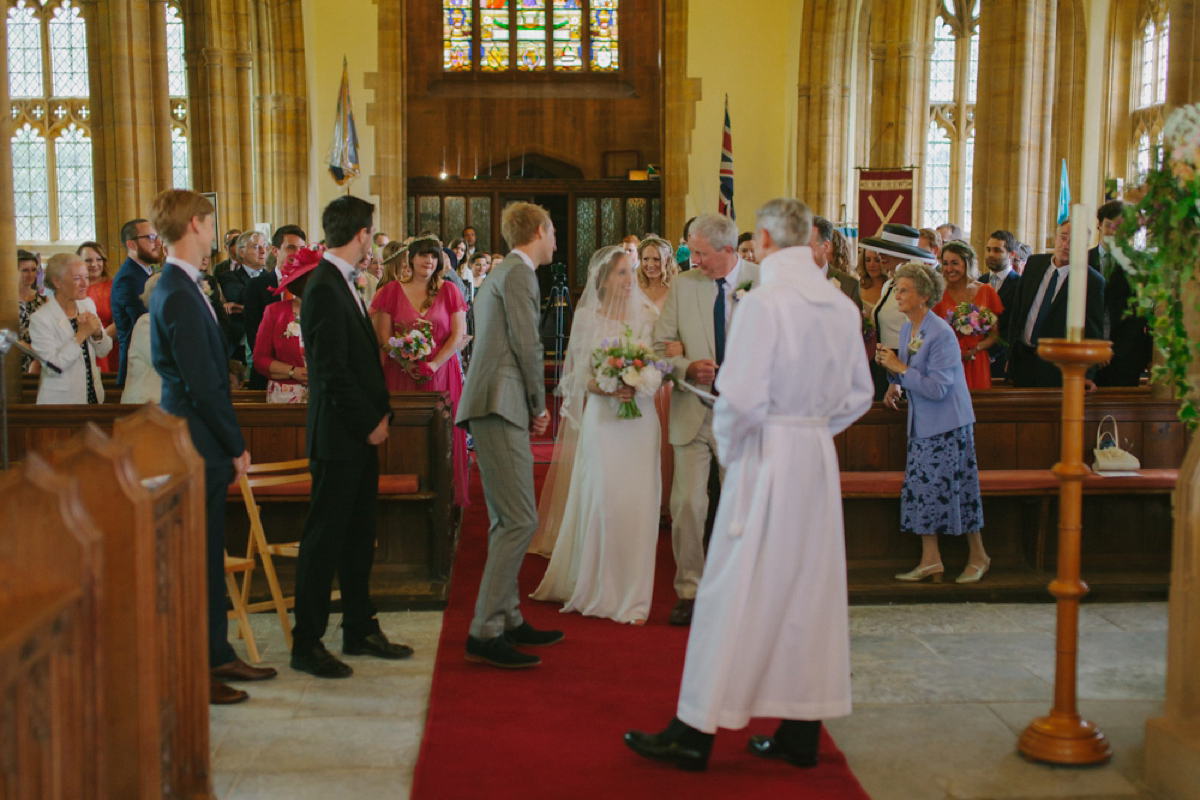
1133 616
1028 649
931 618
392 784
871 650
1044 617
940 682
394 697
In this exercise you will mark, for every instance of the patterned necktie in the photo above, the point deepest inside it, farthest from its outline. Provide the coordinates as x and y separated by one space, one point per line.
719 320
1044 309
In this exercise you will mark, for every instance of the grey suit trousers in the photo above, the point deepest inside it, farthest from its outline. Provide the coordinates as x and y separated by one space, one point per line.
506 467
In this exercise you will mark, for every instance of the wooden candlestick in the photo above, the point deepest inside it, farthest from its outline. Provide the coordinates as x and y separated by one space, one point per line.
1064 737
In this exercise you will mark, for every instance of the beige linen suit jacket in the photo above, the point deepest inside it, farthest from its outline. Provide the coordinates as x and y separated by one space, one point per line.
687 317
507 375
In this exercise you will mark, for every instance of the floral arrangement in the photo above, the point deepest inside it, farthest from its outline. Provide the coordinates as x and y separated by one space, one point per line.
622 361
412 349
1161 274
968 319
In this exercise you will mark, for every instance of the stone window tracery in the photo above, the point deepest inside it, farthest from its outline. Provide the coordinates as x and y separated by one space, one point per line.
950 142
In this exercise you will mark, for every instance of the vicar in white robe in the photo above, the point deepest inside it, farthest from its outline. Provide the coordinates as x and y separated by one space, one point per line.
770 636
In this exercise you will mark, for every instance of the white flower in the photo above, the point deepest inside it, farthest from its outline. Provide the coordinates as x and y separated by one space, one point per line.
630 376
608 383
292 330
651 379
914 344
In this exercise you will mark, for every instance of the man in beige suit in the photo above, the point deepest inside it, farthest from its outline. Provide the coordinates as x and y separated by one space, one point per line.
698 312
503 400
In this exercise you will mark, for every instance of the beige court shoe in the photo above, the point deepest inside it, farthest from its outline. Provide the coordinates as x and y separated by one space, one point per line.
973 574
921 573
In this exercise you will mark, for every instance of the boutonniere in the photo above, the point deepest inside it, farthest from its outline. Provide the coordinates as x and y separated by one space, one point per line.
740 291
292 331
360 280
835 283
914 344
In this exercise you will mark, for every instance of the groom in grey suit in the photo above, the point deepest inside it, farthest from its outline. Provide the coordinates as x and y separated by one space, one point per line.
503 400
697 313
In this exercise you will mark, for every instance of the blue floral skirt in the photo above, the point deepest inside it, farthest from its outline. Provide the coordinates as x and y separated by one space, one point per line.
941 485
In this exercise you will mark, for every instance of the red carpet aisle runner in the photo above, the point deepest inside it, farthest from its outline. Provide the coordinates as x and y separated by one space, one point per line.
554 732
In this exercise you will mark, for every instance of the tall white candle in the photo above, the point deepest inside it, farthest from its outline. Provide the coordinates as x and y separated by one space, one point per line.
1077 285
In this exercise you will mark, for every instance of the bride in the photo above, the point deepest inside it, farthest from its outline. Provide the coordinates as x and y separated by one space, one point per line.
600 504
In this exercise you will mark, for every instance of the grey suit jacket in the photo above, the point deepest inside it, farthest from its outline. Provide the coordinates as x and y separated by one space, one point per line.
687 317
849 285
507 376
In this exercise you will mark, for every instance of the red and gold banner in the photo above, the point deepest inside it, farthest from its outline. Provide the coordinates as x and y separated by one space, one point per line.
884 197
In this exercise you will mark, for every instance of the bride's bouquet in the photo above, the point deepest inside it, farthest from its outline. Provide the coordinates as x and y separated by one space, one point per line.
623 361
412 348
968 319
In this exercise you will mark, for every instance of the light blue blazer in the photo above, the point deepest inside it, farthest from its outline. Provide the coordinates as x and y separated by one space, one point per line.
938 398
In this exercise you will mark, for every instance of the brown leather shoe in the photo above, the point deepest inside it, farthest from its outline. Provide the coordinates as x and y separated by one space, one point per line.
238 670
221 695
681 614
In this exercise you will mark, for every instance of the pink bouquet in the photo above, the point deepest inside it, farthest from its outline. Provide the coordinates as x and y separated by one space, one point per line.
412 348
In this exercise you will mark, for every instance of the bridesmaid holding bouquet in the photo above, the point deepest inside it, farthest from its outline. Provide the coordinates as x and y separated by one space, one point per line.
972 308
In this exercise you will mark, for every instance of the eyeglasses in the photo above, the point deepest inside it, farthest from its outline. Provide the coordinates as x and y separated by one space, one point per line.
153 237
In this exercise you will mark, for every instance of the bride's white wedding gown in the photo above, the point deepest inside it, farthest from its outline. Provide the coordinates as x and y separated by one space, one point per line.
603 560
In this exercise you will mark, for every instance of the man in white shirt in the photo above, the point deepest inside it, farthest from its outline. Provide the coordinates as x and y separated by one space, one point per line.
998 257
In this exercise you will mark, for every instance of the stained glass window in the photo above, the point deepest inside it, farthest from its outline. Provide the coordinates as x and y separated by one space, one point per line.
24 53
937 176
31 194
177 90
585 236
530 35
176 70
68 52
941 65
481 220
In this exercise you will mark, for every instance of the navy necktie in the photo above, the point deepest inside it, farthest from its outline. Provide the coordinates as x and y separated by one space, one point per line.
1044 310
719 320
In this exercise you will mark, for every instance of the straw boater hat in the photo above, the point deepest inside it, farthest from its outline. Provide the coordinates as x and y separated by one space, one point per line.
899 241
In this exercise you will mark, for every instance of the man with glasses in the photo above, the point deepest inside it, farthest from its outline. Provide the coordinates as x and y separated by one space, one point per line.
143 252
252 254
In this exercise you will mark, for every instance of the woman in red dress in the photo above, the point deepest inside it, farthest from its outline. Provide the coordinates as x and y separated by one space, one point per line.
279 348
421 296
962 286
100 290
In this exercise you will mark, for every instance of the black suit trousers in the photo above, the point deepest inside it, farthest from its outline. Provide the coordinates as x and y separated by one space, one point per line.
339 537
216 484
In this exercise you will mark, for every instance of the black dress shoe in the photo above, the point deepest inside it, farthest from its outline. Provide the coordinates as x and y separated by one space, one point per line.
238 670
681 614
321 663
376 644
769 747
659 747
498 652
526 635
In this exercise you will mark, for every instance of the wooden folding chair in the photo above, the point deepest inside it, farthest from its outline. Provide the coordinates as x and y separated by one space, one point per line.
272 474
233 565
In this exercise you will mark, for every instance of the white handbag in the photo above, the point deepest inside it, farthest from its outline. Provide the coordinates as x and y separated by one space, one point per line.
1109 455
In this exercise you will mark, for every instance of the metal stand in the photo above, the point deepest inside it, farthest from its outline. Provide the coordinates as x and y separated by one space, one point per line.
1063 737
558 316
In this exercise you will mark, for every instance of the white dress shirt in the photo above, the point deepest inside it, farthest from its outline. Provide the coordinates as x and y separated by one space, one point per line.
1063 273
196 276
347 269
997 279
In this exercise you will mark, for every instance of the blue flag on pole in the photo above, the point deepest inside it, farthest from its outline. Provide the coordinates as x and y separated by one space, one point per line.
1064 196
343 155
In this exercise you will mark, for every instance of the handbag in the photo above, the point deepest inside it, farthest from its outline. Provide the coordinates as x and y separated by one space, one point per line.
1109 456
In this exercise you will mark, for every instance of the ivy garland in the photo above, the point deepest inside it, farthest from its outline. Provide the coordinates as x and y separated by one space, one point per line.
1169 211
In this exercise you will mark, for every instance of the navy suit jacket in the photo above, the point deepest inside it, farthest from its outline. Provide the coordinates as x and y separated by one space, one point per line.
127 306
1008 298
347 393
190 353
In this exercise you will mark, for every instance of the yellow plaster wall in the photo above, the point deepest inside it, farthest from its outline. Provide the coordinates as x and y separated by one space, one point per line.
750 50
333 29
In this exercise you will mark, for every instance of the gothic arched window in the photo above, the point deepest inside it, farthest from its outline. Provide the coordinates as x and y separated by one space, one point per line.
1149 87
950 144
177 90
53 185
497 36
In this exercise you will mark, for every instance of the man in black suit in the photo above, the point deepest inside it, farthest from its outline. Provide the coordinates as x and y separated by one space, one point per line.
1132 344
1040 311
188 351
284 244
230 240
142 252
252 253
998 256
348 415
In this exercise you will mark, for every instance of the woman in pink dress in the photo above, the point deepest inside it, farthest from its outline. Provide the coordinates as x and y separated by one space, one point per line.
100 290
279 348
423 297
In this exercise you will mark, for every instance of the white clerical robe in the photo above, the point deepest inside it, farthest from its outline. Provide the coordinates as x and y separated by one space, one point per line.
770 634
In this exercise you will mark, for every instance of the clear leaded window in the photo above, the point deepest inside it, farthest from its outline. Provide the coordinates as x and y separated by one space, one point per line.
950 142
496 36
177 90
52 155
1150 50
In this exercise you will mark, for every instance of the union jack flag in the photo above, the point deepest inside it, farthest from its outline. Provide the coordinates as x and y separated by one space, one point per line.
725 205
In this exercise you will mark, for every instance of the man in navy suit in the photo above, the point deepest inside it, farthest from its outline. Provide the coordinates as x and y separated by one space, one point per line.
1040 311
1132 344
348 416
142 251
189 352
998 256
286 242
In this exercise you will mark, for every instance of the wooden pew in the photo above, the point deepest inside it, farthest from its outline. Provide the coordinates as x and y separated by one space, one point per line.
155 652
51 634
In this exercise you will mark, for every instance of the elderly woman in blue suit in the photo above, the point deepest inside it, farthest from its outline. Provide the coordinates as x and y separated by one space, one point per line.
941 476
